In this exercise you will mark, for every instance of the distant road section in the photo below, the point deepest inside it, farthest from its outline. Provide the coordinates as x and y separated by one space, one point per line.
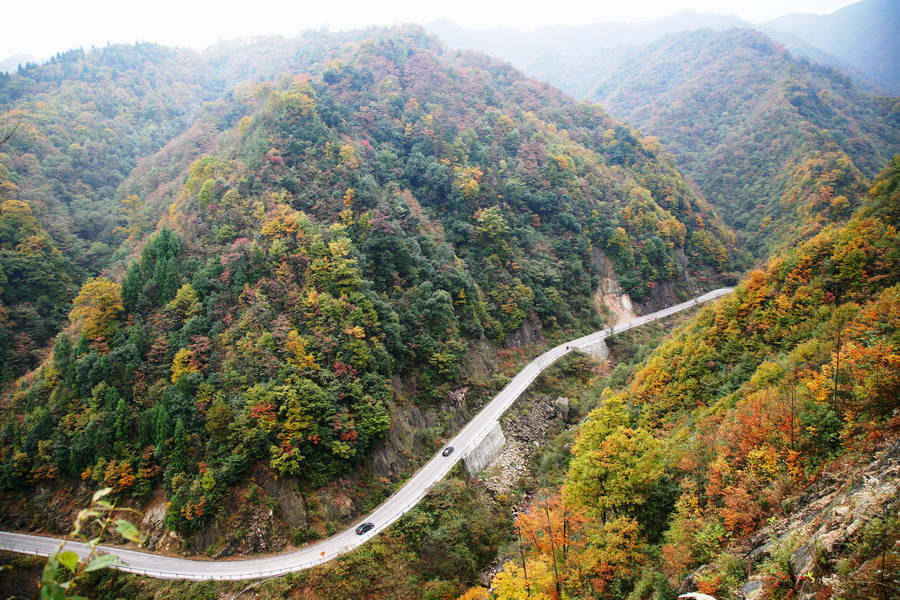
166 567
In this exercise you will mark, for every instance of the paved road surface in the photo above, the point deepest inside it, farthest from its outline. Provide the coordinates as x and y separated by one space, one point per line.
390 510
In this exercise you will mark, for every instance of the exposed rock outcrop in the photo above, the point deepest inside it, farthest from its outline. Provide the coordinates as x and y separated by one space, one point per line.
831 511
609 295
826 518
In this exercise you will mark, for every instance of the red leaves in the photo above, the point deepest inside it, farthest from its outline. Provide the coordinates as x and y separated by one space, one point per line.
263 411
342 370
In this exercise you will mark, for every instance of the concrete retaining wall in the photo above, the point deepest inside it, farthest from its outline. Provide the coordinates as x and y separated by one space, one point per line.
486 452
598 350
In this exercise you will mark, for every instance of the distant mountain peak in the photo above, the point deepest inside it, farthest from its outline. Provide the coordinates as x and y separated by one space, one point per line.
863 34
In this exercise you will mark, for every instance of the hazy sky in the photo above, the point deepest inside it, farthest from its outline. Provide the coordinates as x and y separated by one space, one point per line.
44 28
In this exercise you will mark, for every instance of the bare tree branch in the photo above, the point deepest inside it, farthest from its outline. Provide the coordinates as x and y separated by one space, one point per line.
6 133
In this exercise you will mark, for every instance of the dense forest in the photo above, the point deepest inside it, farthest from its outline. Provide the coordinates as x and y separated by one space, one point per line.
81 123
740 408
752 125
748 121
87 126
250 289
357 233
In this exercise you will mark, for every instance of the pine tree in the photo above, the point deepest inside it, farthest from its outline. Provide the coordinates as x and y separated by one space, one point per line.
179 451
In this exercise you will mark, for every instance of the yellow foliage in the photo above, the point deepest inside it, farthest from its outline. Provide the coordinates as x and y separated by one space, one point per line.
466 180
348 156
511 583
339 247
356 331
281 222
182 364
763 461
476 593
185 303
131 207
297 354
244 125
98 303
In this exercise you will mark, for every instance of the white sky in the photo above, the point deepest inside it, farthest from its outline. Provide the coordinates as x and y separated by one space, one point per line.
42 28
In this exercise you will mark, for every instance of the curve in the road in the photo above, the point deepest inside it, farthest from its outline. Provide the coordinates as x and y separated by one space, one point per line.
167 567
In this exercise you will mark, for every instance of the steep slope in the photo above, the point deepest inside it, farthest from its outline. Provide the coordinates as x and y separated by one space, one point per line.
363 232
80 123
575 58
862 34
35 288
775 398
97 153
773 142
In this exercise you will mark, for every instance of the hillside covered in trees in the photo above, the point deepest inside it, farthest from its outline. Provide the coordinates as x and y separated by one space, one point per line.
788 382
772 140
86 127
776 144
365 223
250 289
862 34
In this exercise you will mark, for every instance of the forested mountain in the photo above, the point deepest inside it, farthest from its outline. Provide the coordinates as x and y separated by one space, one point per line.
776 144
786 384
863 34
97 155
361 225
81 122
574 58
250 288
764 135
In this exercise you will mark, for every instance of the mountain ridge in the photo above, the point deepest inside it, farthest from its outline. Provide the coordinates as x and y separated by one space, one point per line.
355 236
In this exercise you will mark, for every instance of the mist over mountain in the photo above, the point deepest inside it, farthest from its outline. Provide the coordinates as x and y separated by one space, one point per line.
571 58
740 113
11 63
864 35
744 118
857 39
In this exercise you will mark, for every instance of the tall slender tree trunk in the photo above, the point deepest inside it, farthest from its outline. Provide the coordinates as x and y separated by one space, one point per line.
524 565
552 551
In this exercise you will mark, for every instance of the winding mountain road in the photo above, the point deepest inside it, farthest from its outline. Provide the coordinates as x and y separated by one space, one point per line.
166 567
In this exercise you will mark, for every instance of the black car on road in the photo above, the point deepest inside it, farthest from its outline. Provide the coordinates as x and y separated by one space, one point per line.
447 451
364 528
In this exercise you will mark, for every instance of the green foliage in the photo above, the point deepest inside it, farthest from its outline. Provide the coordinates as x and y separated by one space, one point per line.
617 474
35 288
741 405
352 233
776 143
780 575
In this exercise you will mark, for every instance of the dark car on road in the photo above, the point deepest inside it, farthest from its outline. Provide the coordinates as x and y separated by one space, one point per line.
364 528
447 451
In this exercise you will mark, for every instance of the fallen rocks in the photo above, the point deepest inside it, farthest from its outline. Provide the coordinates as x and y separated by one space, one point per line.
524 435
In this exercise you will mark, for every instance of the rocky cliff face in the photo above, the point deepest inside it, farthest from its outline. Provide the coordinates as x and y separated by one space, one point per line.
611 299
839 540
